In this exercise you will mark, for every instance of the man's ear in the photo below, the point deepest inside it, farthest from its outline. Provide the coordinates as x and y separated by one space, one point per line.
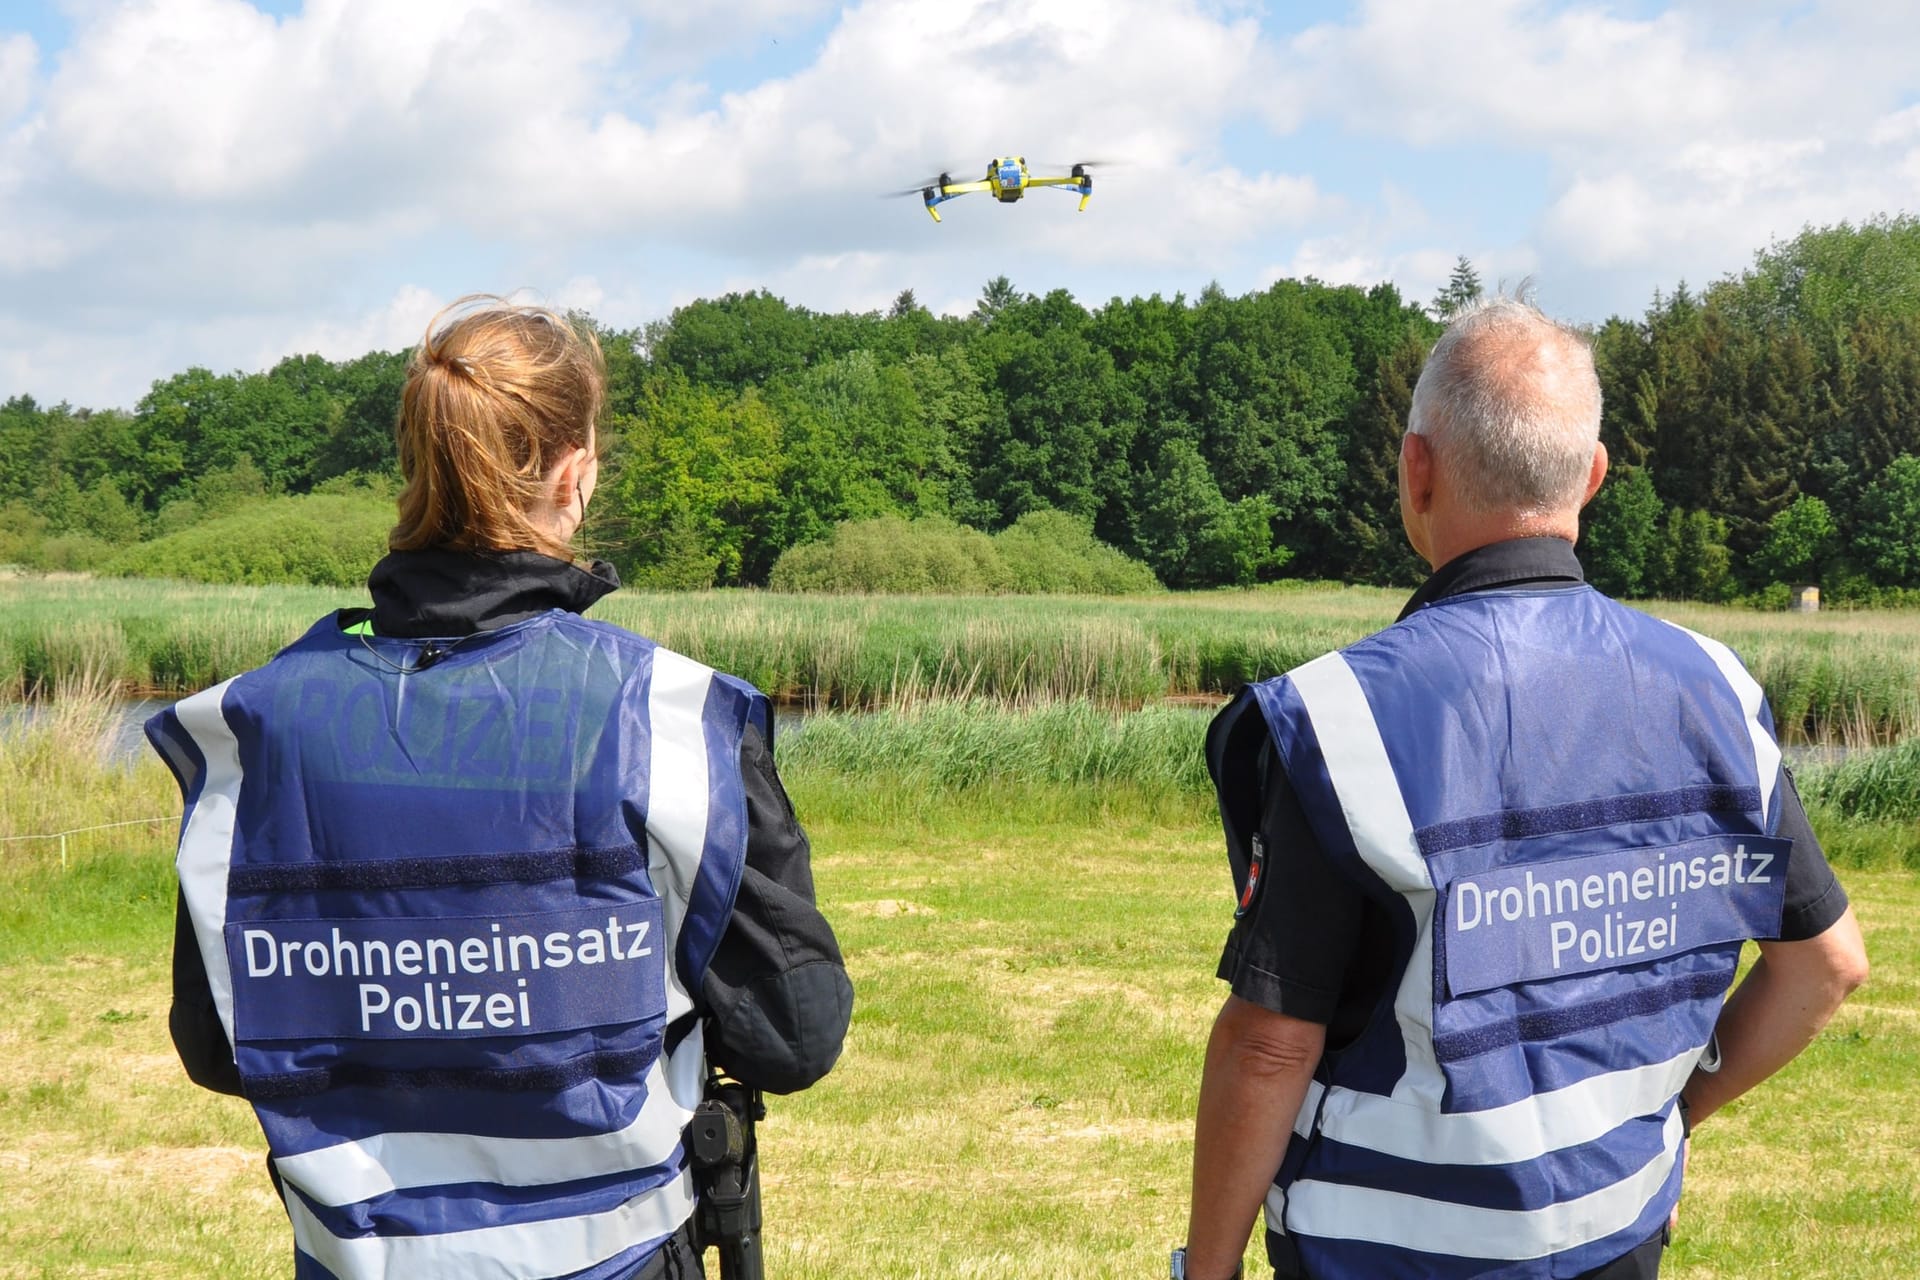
1595 473
1416 462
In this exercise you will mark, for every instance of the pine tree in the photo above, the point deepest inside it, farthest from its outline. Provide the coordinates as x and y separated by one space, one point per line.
1463 287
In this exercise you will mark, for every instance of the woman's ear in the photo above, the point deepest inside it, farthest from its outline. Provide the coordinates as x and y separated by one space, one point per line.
569 485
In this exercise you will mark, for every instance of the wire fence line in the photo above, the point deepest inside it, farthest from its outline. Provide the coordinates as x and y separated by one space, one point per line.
61 836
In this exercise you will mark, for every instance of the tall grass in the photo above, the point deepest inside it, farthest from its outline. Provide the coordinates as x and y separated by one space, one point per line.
1833 677
1880 786
57 774
1052 760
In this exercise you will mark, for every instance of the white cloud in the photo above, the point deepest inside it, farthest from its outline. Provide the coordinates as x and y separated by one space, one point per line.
19 61
395 325
1896 128
211 101
1674 145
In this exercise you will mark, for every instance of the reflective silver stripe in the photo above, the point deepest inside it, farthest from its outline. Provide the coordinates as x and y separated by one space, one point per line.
676 796
1376 815
1342 1212
1528 1129
1766 751
353 1171
522 1251
1276 1207
206 842
1309 1107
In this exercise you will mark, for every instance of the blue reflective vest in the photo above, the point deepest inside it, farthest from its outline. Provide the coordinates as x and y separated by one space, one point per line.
453 916
1567 810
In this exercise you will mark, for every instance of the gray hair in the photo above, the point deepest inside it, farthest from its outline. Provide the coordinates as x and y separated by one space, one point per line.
1511 404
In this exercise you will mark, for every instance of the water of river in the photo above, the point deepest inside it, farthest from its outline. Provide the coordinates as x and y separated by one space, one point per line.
126 739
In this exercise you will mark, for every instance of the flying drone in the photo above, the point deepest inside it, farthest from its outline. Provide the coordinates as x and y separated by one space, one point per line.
1007 178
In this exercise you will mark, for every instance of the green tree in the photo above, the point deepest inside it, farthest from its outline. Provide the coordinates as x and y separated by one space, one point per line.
1192 536
735 341
1461 289
1888 540
998 297
1800 539
1375 547
104 513
1695 561
692 476
1620 534
856 443
1044 441
366 396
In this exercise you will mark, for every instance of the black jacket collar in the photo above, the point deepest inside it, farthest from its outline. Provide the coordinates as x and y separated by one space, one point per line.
1516 563
440 592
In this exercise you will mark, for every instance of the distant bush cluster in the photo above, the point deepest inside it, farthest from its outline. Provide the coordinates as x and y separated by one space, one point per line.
1043 552
328 539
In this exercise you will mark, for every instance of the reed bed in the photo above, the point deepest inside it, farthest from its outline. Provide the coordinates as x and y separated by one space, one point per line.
64 798
1871 786
1052 758
1850 678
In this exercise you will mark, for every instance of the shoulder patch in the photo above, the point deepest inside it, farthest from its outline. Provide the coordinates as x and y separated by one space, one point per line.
1256 866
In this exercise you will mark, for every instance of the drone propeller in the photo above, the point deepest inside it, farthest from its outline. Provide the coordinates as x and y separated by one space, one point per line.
937 181
1086 164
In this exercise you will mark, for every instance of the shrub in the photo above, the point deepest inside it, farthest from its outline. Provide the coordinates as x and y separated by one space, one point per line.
890 555
74 553
1051 552
1044 552
22 530
323 539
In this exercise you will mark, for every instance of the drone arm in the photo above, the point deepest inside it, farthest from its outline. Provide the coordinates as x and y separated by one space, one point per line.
940 195
1083 185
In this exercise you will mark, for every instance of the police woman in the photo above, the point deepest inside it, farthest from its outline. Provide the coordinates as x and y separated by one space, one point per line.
472 886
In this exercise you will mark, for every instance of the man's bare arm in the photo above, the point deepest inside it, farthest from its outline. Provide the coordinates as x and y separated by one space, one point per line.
1777 1010
1258 1066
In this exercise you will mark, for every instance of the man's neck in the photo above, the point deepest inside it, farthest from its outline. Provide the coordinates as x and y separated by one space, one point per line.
1452 538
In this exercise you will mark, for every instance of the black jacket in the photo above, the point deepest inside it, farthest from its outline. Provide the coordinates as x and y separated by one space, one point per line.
776 995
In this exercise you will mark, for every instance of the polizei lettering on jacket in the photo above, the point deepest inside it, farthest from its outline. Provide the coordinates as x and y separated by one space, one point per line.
435 977
1610 909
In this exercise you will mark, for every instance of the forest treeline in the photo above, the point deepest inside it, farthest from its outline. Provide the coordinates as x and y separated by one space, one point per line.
1764 430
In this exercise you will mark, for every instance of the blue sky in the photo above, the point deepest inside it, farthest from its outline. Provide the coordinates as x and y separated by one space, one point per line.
224 183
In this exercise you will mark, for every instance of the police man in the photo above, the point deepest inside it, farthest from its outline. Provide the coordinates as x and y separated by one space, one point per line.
1497 863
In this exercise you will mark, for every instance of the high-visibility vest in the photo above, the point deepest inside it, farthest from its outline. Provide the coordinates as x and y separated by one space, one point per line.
1567 810
455 902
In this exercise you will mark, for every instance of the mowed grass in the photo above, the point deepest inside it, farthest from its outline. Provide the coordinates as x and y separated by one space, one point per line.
1832 677
1033 948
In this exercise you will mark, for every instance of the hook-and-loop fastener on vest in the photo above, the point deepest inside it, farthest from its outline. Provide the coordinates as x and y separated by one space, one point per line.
452 919
1565 809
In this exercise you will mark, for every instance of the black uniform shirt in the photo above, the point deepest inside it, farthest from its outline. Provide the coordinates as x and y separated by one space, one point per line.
1312 946
776 994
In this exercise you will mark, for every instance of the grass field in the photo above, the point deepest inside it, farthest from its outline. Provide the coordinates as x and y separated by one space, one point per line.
1838 677
1032 945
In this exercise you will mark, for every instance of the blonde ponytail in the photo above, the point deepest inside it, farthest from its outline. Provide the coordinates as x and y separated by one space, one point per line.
496 395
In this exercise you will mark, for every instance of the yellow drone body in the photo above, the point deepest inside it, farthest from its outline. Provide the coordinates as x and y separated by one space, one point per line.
1007 179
